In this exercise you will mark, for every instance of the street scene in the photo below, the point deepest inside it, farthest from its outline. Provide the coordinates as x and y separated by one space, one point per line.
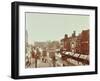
56 40
70 51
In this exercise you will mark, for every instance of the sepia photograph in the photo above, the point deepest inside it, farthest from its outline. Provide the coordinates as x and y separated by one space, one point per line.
56 40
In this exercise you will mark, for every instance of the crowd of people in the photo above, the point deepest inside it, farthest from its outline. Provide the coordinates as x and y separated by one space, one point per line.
35 54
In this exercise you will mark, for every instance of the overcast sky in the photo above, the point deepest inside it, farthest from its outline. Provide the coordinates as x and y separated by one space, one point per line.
44 27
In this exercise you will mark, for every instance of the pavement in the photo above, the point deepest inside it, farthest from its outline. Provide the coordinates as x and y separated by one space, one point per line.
49 63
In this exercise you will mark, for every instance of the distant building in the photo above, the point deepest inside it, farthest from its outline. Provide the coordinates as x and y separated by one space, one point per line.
26 40
26 36
40 44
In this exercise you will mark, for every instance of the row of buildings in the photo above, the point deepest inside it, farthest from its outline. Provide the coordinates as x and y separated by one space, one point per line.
76 44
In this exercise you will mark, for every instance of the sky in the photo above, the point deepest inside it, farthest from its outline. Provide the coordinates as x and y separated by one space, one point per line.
44 26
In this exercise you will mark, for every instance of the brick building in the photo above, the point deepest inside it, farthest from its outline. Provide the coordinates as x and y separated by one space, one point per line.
65 43
84 41
76 44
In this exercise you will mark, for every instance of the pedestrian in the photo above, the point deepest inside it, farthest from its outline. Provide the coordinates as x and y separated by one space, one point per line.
44 54
33 56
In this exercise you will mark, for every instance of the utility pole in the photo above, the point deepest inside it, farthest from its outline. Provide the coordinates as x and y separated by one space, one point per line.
54 60
36 61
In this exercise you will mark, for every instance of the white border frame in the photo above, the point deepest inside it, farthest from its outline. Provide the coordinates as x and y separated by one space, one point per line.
57 70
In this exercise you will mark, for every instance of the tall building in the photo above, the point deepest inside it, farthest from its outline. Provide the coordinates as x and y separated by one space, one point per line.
76 44
65 43
73 42
85 42
26 36
26 40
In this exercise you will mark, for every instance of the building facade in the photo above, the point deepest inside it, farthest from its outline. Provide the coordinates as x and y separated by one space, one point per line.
76 44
